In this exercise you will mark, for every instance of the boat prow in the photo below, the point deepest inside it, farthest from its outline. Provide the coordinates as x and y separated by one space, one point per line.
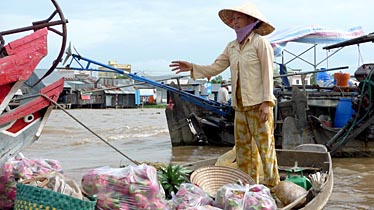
22 126
21 58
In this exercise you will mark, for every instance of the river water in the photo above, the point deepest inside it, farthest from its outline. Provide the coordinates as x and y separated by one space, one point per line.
142 135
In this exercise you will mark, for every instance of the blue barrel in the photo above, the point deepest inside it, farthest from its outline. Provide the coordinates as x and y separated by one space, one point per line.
343 112
323 76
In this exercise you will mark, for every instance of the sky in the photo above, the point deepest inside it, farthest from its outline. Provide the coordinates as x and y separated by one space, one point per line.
148 34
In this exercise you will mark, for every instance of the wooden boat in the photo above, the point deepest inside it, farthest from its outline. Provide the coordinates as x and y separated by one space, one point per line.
192 124
21 123
309 157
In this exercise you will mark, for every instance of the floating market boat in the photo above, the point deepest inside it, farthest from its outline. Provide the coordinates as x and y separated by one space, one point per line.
307 160
24 109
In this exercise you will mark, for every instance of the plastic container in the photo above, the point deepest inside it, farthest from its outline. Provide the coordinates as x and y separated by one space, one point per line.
343 112
300 179
323 76
342 79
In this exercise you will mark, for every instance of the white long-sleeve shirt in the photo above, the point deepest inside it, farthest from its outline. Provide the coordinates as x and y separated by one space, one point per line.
223 95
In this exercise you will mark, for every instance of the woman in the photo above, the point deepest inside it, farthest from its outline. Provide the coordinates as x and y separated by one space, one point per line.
250 58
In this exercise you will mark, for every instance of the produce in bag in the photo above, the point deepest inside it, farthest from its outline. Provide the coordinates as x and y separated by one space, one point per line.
131 187
239 197
190 195
259 197
230 196
206 207
16 169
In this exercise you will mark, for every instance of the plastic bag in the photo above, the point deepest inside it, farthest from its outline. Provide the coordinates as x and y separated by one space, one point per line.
259 197
230 196
190 195
206 207
17 169
132 187
238 197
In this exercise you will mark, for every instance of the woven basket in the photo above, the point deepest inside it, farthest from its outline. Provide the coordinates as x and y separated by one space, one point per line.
31 198
211 178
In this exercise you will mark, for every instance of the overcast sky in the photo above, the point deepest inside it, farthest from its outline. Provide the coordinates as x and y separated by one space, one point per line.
148 34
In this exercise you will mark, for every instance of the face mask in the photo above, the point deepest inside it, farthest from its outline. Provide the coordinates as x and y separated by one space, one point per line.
243 32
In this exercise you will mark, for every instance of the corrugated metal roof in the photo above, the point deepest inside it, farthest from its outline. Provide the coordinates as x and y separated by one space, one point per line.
118 92
53 77
181 81
76 82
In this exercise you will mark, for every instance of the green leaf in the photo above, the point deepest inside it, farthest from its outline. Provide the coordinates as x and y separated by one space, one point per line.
172 177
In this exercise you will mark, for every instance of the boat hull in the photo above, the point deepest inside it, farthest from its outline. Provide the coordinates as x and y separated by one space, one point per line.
22 126
297 121
190 124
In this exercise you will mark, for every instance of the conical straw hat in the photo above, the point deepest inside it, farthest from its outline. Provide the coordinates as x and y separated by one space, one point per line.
248 9
212 178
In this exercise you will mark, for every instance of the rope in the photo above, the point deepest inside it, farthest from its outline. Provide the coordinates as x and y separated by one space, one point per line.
360 59
102 139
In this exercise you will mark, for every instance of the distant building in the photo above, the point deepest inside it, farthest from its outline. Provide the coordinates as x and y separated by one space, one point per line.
111 74
298 79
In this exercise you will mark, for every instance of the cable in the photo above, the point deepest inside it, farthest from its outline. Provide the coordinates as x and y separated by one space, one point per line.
102 139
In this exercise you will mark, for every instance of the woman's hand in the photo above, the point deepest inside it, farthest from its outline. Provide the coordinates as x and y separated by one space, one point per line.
264 111
180 66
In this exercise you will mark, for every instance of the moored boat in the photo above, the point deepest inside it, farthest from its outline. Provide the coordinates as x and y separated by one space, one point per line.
339 117
302 116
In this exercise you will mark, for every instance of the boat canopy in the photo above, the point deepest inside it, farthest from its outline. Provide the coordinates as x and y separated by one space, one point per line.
312 34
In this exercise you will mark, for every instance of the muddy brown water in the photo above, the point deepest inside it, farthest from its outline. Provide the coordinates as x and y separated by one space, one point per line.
142 135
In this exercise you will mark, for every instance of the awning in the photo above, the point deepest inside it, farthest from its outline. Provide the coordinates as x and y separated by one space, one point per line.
312 34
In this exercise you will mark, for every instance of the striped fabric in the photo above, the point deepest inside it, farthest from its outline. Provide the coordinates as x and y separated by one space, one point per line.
312 34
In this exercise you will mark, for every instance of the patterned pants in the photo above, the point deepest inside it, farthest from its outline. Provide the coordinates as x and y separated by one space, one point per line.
255 145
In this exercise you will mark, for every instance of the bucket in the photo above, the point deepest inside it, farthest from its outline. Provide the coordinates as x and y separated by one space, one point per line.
343 112
341 79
